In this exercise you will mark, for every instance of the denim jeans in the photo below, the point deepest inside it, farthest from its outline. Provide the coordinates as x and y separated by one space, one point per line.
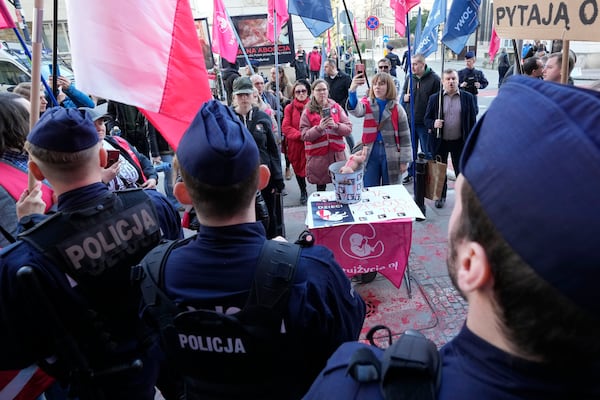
376 172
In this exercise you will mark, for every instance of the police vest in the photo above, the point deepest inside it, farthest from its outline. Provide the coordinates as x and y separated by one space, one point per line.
97 245
227 356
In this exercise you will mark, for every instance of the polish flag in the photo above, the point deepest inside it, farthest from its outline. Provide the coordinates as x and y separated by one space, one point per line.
278 7
146 54
224 42
6 20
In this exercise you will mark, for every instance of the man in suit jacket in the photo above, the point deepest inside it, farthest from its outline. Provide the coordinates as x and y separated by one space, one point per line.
459 113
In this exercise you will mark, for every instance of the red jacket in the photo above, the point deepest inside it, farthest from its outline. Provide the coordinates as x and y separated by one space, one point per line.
291 130
314 60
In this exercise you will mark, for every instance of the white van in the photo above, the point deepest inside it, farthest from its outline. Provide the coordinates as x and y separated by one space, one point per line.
16 68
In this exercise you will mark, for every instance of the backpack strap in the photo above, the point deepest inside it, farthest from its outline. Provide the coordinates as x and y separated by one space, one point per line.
411 368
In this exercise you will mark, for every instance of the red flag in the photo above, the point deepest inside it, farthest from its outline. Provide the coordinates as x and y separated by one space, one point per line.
26 384
401 7
355 29
224 42
328 41
494 44
154 63
6 20
279 7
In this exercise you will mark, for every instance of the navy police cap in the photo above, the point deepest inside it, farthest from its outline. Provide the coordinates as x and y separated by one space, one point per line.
538 180
217 149
66 130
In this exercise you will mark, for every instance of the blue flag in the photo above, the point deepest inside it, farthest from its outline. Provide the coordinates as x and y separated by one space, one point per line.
428 42
462 22
316 14
418 27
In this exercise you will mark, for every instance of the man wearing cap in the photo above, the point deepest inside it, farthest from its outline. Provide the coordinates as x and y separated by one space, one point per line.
133 169
393 57
83 316
450 128
470 78
219 163
527 263
260 127
300 66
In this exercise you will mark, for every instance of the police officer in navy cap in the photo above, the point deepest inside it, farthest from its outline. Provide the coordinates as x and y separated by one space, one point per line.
219 163
523 249
84 320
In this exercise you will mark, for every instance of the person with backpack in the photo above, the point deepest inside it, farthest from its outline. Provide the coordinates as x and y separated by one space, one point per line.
385 130
67 300
275 346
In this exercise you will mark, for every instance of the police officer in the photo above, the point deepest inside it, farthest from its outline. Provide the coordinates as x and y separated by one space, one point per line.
81 257
219 163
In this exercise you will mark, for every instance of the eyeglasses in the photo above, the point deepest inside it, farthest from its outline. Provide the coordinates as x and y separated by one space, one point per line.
300 91
384 67
320 90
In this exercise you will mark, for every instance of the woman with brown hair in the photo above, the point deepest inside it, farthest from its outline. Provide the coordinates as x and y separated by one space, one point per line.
293 137
385 130
323 124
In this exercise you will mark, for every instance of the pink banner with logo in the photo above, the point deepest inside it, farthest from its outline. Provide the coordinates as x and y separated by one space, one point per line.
383 247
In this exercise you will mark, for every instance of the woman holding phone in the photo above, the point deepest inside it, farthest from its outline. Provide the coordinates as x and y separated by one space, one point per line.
385 130
323 126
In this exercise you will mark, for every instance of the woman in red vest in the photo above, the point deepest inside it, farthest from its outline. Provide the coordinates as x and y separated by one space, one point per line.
323 124
293 136
14 127
385 130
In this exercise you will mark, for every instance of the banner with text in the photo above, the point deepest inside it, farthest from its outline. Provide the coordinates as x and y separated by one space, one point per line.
547 19
252 30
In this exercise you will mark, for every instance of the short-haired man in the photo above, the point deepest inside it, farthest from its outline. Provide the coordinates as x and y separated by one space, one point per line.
384 65
533 67
393 57
82 257
529 273
552 71
220 168
470 78
424 83
314 63
458 116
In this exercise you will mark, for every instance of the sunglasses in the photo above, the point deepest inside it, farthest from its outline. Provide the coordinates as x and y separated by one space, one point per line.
384 67
300 91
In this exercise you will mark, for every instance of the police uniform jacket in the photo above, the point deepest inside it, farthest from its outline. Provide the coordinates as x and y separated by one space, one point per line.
26 335
215 271
474 369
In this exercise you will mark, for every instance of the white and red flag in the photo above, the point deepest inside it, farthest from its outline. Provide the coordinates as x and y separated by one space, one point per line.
278 7
146 54
401 7
6 20
224 41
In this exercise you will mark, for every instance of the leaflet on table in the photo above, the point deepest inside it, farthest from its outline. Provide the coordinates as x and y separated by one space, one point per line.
380 203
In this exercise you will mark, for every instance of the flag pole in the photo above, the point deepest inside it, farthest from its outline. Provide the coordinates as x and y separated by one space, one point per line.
438 131
36 46
355 41
237 37
276 51
28 54
518 66
414 140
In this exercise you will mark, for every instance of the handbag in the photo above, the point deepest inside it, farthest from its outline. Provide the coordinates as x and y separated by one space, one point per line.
435 178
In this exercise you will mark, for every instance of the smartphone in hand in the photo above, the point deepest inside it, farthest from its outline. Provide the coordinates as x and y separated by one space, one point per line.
360 68
326 112
113 157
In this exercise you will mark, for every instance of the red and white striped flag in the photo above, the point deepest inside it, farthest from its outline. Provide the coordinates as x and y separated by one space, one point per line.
224 42
146 54
6 20
280 8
